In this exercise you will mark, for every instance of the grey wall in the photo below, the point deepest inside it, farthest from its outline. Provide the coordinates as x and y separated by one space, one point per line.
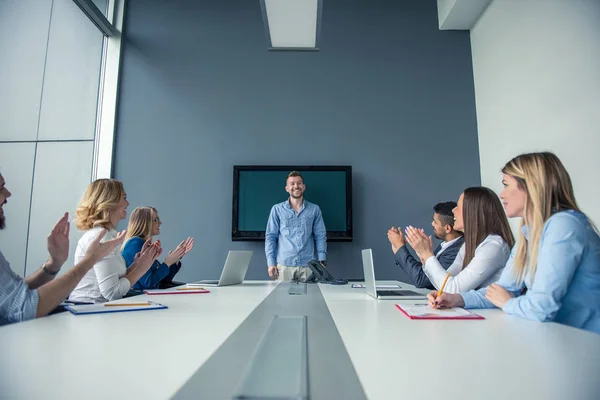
388 93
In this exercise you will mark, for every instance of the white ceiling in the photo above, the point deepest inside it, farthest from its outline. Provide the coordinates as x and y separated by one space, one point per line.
293 23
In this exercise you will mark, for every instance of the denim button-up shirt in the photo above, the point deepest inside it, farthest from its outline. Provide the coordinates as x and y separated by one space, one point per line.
290 236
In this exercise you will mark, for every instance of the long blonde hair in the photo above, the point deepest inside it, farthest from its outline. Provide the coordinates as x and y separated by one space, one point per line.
140 223
101 196
549 189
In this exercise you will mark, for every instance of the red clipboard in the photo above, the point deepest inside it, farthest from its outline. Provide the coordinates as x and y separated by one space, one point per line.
468 316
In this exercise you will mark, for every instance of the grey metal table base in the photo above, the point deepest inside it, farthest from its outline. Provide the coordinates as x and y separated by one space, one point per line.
284 348
331 374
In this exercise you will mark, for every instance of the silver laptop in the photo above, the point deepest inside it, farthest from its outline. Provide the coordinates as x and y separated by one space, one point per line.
234 270
371 289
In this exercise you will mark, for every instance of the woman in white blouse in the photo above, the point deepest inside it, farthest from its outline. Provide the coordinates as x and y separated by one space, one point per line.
488 241
102 207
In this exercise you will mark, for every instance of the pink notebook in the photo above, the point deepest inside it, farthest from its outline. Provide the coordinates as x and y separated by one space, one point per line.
182 290
423 311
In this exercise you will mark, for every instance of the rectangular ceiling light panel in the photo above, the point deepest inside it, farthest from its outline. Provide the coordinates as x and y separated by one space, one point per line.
292 23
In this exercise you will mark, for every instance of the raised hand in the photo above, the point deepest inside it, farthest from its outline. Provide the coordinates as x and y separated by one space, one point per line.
58 241
420 242
175 255
146 244
181 250
396 238
97 249
148 255
189 244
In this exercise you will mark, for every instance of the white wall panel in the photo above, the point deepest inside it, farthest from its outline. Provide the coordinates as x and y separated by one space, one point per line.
62 173
16 166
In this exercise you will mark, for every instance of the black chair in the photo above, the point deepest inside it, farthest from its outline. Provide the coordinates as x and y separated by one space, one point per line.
169 284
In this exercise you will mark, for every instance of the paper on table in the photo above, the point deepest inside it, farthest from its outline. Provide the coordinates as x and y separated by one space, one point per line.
424 311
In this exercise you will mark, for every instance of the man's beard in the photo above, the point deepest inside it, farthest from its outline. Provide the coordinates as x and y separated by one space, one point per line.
437 237
297 196
2 222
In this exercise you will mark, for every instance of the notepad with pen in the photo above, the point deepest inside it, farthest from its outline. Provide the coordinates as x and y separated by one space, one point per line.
114 307
177 290
423 311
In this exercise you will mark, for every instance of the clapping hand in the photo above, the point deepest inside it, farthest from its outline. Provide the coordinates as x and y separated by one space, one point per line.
420 242
146 244
97 249
150 252
58 242
181 250
396 238
189 244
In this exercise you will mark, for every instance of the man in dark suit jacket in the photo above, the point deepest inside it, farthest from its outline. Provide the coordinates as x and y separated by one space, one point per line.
443 228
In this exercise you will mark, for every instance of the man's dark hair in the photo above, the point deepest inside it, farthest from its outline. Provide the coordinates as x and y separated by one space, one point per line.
444 210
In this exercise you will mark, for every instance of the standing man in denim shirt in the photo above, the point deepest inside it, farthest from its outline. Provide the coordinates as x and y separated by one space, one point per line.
293 228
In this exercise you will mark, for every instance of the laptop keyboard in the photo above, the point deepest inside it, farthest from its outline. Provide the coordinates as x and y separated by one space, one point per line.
398 293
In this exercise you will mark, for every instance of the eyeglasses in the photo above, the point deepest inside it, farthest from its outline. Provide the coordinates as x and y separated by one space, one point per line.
156 220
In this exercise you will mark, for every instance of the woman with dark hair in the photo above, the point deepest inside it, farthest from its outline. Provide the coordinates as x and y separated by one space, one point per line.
488 240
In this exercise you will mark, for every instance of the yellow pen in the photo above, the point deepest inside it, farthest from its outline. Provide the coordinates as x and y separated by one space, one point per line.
442 288
127 304
191 288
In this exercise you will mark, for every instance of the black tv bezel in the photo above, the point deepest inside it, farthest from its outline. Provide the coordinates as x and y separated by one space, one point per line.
250 236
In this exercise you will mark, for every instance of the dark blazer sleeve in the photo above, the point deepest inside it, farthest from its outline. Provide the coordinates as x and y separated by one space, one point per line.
413 268
173 269
449 255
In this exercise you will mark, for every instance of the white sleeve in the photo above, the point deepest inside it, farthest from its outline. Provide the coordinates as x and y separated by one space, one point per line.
436 273
488 259
107 270
111 286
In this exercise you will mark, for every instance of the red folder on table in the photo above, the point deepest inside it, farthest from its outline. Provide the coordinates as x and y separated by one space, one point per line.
423 311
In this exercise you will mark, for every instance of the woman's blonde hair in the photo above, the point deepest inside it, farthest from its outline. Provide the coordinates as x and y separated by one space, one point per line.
140 223
549 190
100 198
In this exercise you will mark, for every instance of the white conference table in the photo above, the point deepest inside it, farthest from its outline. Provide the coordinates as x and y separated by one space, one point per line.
128 355
501 357
152 354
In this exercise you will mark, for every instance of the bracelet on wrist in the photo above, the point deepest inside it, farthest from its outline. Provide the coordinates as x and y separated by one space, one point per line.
49 271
